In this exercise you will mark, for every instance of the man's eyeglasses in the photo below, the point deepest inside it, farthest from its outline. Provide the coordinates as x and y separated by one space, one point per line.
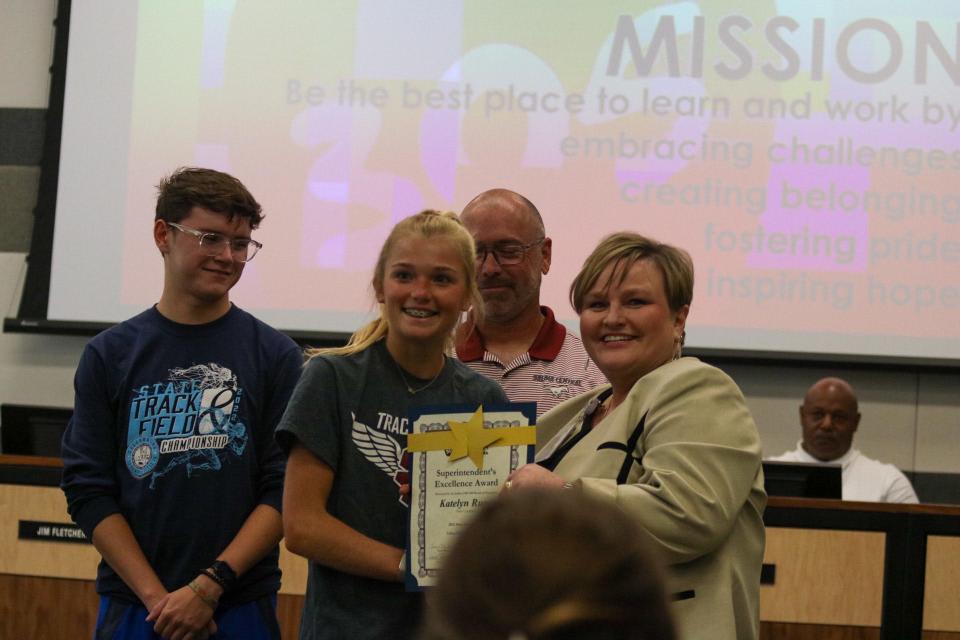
505 253
213 243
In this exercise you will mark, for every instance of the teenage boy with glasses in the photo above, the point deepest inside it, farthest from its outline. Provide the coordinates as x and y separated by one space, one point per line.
517 342
170 465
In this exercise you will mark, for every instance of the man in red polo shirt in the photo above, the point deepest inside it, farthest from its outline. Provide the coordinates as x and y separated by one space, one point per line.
519 343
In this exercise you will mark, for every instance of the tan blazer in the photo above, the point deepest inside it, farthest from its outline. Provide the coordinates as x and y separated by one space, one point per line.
682 455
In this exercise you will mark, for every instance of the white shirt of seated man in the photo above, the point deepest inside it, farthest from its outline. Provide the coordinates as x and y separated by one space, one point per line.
829 416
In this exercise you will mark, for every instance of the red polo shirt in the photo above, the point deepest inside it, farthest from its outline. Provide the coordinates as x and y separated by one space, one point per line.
555 368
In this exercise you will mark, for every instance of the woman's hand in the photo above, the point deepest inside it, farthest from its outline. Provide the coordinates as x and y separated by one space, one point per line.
533 476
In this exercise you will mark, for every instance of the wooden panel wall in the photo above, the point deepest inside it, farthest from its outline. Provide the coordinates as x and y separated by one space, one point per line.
294 570
46 608
845 566
788 631
289 609
941 593
39 557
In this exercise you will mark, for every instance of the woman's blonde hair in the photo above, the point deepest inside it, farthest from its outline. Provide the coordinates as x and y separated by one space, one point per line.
428 224
624 249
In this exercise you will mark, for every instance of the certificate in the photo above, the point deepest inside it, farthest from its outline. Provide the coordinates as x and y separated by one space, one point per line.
460 458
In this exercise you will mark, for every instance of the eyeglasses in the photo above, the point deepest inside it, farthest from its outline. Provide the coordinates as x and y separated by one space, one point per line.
213 243
839 418
505 253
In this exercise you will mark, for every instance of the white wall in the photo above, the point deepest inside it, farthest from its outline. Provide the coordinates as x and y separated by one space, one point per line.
34 369
26 49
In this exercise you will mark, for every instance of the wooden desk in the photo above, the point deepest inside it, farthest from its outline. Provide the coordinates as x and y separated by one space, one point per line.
844 570
859 571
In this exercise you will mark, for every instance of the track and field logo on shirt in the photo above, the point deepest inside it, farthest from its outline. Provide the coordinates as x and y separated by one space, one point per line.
382 449
190 420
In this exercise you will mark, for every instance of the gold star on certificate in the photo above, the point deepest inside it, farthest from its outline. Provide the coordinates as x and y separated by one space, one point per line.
470 438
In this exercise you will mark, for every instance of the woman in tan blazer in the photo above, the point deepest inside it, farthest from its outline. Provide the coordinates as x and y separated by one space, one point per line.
669 440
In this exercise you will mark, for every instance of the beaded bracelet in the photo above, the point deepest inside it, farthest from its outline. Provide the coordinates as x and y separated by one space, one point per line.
207 600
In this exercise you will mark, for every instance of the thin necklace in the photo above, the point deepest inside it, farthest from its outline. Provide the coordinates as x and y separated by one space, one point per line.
605 408
406 383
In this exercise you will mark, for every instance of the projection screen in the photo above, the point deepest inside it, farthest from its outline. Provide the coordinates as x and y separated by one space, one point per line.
805 153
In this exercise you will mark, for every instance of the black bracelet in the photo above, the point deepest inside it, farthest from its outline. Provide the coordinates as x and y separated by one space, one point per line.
226 577
210 574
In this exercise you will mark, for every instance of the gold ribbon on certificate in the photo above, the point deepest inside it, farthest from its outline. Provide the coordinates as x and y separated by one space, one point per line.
470 438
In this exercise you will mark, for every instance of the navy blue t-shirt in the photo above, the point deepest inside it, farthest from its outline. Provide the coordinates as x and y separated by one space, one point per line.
173 428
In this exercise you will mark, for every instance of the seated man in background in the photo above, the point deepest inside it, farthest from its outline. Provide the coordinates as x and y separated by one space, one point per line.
829 417
518 343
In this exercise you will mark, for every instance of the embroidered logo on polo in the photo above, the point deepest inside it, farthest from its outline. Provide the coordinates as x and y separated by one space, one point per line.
559 386
191 420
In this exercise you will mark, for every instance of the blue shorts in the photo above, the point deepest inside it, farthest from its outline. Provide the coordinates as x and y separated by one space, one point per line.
257 620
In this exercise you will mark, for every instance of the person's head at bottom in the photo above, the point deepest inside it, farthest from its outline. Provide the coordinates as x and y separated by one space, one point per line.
548 565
